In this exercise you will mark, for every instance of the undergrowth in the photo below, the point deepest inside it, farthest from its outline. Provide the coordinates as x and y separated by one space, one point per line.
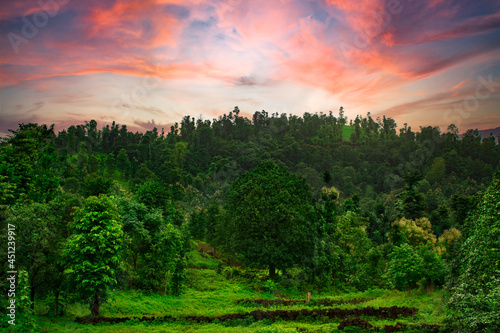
211 293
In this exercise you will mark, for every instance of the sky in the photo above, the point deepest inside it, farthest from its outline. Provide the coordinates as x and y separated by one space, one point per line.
149 63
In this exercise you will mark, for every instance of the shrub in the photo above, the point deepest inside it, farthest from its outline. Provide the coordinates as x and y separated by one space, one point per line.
408 266
405 267
475 288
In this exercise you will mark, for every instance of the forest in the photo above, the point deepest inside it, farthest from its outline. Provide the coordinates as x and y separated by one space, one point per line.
279 223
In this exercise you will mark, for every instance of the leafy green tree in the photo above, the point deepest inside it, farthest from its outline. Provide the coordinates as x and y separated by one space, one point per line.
405 267
351 204
93 251
96 184
437 172
434 269
354 244
154 248
440 219
416 232
154 194
29 163
475 289
7 191
462 206
413 204
36 230
93 162
143 174
63 208
123 162
271 217
375 266
25 321
137 238
158 195
109 163
408 266
205 225
177 243
71 185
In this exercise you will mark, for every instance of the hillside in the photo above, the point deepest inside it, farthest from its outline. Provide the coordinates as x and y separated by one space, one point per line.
216 290
485 133
102 225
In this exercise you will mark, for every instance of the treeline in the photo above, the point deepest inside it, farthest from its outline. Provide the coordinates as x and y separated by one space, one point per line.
383 208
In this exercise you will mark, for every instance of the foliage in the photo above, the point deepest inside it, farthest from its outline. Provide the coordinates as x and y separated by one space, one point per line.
271 216
413 204
448 240
416 232
404 267
363 176
123 163
437 172
96 184
37 244
92 252
475 292
408 266
434 269
155 249
375 267
29 164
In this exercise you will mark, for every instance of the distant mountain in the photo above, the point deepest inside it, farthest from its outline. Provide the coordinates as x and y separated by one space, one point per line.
485 133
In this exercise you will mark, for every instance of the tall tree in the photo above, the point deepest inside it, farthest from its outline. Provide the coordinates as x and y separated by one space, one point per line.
437 172
36 244
271 213
93 250
476 289
123 162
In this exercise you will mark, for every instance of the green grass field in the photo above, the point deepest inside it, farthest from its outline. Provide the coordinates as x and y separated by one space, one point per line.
346 132
208 293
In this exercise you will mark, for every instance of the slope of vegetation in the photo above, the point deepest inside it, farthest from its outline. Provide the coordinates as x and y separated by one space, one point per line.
107 223
209 293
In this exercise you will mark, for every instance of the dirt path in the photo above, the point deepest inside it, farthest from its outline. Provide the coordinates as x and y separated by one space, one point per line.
289 315
314 302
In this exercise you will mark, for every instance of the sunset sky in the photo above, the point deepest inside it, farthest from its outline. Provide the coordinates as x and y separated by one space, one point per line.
149 63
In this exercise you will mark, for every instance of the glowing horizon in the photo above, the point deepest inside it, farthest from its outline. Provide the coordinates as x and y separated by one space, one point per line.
152 62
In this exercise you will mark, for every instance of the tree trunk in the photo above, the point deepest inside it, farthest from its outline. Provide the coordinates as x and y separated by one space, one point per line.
166 283
129 285
94 306
56 302
272 271
134 258
32 297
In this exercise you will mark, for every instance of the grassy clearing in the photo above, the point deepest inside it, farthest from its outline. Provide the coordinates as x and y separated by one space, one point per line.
210 294
197 260
346 132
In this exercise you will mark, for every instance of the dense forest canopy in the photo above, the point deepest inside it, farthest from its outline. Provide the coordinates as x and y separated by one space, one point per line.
359 203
